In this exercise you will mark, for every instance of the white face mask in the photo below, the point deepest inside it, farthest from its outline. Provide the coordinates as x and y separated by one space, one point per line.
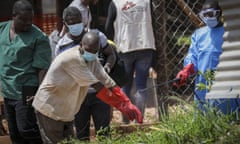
75 29
210 17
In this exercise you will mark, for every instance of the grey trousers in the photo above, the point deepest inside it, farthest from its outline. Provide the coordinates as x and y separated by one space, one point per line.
53 131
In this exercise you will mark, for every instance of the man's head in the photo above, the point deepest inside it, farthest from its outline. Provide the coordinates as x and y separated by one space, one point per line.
90 44
211 13
72 19
22 16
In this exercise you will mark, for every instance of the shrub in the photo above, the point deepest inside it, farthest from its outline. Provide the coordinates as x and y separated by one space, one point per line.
185 124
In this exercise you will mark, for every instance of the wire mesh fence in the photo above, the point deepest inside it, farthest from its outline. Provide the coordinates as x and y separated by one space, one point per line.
174 21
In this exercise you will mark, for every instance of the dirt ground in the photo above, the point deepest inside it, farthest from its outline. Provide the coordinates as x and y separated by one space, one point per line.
150 116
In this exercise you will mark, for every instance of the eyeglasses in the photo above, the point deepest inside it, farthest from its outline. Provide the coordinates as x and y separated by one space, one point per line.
209 13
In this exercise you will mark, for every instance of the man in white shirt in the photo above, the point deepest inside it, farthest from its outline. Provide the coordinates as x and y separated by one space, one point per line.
65 86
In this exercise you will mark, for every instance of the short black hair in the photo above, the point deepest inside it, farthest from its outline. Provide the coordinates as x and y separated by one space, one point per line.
21 6
71 12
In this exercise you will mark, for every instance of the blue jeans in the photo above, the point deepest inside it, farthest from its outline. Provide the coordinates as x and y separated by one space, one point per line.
138 63
22 123
100 112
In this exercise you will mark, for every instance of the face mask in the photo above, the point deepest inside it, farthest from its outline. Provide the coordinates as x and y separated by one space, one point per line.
76 29
211 22
210 17
89 56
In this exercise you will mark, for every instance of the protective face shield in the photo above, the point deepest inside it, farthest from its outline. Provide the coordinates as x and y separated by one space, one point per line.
76 29
89 56
210 17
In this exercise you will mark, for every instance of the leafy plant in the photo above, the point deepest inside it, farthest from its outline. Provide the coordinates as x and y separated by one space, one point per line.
209 76
183 40
185 124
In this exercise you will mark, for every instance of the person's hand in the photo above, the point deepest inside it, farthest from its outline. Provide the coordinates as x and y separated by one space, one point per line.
187 71
107 68
115 97
126 107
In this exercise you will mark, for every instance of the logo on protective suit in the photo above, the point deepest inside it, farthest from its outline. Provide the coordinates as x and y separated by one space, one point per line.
128 5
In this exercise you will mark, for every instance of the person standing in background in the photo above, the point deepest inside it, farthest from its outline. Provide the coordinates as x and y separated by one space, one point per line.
54 37
25 56
57 32
129 24
83 6
99 11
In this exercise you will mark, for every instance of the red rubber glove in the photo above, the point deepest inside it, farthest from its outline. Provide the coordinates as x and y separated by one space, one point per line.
118 99
187 71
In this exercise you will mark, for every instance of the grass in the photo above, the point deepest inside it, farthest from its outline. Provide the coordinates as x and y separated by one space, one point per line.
184 125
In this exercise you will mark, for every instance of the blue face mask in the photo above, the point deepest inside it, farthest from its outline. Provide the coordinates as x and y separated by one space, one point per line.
211 22
89 56
210 17
75 29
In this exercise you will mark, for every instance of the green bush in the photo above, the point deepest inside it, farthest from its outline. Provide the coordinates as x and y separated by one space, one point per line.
185 124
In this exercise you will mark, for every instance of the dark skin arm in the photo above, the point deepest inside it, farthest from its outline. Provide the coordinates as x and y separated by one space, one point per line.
109 52
109 27
97 86
41 74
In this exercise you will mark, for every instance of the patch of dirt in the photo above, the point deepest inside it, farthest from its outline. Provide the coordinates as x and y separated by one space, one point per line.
150 116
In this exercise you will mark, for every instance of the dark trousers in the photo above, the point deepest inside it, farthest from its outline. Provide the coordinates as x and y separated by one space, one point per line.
100 113
22 123
54 131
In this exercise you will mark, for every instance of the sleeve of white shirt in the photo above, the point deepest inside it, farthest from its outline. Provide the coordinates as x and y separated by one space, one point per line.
85 74
99 72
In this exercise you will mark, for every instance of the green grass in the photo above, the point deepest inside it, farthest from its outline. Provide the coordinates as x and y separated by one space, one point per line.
184 125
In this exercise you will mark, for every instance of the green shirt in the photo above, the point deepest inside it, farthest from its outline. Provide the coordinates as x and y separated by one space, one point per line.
21 59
